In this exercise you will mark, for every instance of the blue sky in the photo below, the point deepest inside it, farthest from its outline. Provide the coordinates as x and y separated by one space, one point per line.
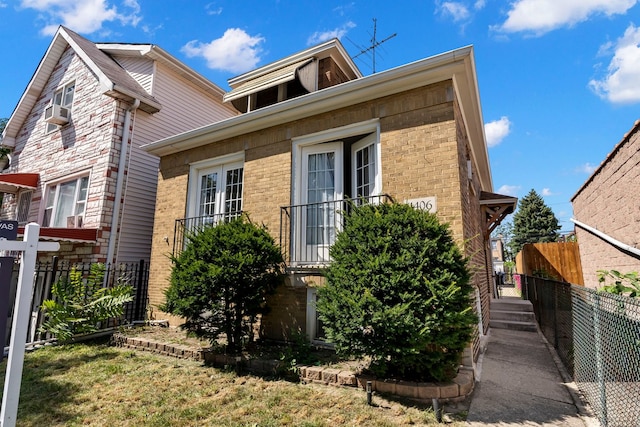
559 79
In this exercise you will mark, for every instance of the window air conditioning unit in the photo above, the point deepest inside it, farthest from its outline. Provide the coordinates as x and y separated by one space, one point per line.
56 114
74 221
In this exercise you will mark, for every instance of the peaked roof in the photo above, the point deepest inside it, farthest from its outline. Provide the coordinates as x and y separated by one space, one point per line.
114 80
457 65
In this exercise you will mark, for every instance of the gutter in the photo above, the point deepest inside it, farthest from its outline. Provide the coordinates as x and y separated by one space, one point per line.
115 219
623 246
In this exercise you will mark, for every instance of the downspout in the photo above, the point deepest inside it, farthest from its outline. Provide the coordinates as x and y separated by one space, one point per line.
124 146
633 250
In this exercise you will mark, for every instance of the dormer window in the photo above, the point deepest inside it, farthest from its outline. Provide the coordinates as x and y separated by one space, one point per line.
58 112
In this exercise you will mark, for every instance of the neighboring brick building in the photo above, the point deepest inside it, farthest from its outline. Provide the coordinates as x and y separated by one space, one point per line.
315 132
607 212
69 171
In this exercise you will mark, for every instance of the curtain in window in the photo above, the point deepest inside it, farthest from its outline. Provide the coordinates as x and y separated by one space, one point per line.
321 188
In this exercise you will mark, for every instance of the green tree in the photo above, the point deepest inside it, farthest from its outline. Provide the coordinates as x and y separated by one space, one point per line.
398 292
534 222
219 282
3 123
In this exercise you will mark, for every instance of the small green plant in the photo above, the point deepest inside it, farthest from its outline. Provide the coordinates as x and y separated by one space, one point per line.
80 305
297 352
622 283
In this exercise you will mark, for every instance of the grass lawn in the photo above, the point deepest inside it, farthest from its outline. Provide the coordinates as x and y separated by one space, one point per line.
92 384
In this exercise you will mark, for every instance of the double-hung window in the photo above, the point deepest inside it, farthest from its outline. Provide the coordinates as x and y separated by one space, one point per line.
65 203
216 190
64 98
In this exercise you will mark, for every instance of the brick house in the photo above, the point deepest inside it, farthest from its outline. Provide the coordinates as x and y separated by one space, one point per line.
607 212
70 171
315 132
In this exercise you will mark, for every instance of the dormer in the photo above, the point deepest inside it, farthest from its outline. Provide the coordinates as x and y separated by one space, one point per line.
319 67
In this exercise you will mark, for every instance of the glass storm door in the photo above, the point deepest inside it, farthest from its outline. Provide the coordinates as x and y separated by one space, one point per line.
321 192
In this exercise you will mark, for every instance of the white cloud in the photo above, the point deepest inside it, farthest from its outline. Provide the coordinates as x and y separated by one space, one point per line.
479 4
587 168
621 85
456 10
542 16
322 36
211 9
497 130
83 16
236 51
547 192
509 190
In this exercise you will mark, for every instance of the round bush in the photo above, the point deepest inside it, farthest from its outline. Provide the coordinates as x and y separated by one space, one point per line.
220 280
398 292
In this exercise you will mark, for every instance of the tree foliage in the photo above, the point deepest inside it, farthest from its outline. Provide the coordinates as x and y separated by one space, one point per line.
398 291
220 280
3 123
534 222
614 282
81 304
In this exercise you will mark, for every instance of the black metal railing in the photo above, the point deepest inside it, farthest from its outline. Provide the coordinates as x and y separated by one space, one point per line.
597 336
308 231
47 273
184 227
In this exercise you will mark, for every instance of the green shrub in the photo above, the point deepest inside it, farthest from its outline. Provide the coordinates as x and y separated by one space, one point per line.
398 291
627 284
80 305
219 282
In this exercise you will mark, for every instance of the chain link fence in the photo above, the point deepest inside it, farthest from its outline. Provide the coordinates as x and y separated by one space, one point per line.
597 336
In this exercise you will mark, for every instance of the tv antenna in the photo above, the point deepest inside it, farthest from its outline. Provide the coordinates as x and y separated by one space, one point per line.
374 44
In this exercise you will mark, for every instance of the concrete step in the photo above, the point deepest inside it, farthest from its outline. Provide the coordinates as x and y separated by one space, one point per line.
511 304
514 325
518 316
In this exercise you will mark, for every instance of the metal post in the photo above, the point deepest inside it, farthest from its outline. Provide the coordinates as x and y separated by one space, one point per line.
369 393
597 336
137 315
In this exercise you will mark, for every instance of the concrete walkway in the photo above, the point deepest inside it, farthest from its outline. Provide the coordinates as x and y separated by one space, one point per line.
522 383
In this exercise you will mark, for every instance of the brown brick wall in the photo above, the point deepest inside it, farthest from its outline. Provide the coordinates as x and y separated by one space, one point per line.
610 202
420 150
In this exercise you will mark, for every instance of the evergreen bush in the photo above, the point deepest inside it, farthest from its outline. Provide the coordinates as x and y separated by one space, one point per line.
398 292
220 280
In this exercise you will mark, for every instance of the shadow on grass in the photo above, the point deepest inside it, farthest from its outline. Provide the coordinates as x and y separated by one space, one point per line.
44 391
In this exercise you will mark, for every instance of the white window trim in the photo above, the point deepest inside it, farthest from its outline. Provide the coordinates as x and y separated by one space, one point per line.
335 134
49 127
45 192
377 184
195 171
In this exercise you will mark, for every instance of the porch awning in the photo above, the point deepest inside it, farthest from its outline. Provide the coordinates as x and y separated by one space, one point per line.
14 182
274 78
80 235
495 208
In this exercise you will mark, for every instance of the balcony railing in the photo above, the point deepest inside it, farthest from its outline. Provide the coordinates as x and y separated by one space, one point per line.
185 227
308 231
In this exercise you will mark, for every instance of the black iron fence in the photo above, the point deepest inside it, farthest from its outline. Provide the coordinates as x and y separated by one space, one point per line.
48 273
308 231
597 336
184 227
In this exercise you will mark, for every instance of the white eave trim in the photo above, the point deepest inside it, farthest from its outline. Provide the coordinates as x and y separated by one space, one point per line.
617 243
417 74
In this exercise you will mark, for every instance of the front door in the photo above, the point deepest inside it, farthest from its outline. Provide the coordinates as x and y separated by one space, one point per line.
319 196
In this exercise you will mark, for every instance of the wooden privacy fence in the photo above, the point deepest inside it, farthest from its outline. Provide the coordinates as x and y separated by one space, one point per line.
558 261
